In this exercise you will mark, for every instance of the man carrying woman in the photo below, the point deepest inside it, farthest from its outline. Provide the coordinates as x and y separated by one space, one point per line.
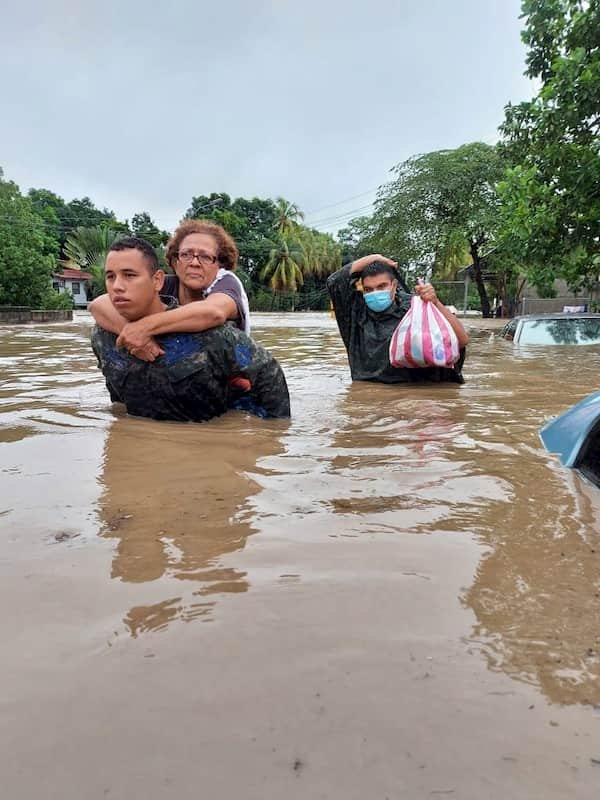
198 375
203 256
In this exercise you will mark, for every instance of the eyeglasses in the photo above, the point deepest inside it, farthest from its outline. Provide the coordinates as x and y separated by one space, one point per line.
188 256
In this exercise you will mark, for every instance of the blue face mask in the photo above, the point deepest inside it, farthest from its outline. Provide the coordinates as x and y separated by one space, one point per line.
378 301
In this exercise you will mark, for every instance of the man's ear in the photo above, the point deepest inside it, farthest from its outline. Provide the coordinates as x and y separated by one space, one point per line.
394 285
159 279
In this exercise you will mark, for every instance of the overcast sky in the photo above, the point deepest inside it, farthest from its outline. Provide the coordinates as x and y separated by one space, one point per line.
140 106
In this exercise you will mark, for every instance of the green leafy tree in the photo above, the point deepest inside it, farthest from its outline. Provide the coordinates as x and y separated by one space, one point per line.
551 193
203 206
441 206
87 248
26 266
47 205
61 218
84 214
357 238
218 208
259 216
143 225
249 221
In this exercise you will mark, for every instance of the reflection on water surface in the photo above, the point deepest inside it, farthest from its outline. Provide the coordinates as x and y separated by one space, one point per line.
173 500
177 504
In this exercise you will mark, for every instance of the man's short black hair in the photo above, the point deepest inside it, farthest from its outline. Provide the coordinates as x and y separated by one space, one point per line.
378 268
135 243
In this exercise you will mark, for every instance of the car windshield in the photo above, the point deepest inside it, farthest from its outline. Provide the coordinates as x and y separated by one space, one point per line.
560 331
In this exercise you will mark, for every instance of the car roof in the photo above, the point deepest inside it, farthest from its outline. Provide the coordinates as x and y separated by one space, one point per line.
559 315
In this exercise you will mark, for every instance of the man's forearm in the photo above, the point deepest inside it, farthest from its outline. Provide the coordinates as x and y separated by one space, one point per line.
365 261
361 263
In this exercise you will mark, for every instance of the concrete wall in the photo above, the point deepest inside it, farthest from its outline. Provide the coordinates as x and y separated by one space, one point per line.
11 316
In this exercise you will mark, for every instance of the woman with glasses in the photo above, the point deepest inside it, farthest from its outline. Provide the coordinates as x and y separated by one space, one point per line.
203 257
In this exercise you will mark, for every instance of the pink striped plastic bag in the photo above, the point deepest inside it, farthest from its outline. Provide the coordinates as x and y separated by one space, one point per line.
424 338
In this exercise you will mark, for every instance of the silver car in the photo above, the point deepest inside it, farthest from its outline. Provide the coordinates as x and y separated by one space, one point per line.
565 328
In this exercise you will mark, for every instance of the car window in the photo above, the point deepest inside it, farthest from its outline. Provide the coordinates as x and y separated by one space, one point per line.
508 332
560 331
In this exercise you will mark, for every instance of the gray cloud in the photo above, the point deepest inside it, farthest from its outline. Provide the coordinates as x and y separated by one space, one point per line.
140 107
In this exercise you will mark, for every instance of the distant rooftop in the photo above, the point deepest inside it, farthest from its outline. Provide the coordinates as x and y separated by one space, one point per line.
73 274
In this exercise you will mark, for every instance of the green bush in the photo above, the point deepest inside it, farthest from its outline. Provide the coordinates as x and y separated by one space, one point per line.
51 300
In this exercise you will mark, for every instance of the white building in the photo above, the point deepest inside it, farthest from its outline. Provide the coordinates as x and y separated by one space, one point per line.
73 281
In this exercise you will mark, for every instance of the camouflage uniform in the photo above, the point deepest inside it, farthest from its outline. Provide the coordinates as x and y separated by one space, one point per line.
191 381
367 334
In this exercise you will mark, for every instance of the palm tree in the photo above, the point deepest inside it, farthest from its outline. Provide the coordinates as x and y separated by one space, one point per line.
288 215
285 265
307 241
87 248
323 254
330 255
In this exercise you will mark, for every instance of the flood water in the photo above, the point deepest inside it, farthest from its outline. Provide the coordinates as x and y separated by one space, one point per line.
394 595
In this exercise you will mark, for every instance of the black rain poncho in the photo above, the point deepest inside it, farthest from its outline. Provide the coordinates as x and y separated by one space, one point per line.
367 334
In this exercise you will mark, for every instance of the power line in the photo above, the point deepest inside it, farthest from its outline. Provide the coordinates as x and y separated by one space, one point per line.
343 217
218 200
341 202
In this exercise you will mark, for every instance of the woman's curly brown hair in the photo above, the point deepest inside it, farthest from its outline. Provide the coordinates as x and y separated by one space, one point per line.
227 252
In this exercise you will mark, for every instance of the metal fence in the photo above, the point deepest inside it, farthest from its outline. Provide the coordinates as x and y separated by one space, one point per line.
539 305
460 294
463 295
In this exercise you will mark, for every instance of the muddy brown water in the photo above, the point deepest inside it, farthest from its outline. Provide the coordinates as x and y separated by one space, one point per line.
394 595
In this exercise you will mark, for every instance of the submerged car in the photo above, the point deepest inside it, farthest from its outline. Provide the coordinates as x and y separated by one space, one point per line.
560 328
575 436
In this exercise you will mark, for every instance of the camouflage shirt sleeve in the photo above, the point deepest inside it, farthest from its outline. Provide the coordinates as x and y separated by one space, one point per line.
111 362
269 389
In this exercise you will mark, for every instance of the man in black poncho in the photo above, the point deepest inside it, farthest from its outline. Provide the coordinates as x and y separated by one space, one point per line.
195 377
368 319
